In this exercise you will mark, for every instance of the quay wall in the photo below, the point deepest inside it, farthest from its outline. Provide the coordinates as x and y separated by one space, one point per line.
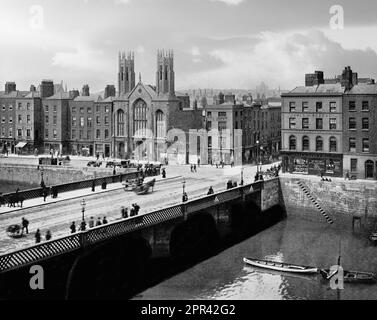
341 200
52 175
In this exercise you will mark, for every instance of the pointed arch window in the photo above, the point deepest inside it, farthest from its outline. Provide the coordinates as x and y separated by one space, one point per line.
120 123
140 118
160 123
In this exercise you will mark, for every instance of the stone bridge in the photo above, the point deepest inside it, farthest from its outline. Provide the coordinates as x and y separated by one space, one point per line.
112 259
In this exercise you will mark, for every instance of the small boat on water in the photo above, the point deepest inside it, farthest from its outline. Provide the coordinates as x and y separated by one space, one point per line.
279 266
351 276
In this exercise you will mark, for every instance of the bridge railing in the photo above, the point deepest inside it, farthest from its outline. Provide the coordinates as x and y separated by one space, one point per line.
98 234
37 192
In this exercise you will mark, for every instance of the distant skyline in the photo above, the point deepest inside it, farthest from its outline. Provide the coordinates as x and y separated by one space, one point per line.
217 43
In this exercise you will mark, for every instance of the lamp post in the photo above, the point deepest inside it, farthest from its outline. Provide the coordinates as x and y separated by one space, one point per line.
257 156
42 181
83 204
184 198
241 177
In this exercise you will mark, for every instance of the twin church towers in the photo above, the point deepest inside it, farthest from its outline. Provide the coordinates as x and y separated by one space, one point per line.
164 74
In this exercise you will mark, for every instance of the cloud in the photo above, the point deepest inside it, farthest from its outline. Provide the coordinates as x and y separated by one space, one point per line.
280 59
229 2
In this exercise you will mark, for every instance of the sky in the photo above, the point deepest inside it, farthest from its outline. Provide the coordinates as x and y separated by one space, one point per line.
217 43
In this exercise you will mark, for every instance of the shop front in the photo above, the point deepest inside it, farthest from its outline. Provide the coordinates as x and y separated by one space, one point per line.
313 164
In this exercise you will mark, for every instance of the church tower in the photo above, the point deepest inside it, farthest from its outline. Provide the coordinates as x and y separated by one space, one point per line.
165 73
126 75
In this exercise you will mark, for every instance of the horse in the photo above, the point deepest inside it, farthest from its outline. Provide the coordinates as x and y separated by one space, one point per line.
14 199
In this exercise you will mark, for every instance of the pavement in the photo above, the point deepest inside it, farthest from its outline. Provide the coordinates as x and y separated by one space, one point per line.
56 215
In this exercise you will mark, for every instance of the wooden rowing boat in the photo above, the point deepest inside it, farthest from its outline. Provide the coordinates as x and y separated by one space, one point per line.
351 276
279 266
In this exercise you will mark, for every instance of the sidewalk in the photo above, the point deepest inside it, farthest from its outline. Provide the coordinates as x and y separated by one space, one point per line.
70 195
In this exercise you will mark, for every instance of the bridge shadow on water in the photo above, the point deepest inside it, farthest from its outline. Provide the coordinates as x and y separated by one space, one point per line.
125 267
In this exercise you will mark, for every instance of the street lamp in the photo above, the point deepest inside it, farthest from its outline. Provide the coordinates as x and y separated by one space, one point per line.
184 198
83 204
42 181
257 156
242 176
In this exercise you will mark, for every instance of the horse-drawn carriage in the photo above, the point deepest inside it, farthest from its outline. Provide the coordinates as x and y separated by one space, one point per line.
138 185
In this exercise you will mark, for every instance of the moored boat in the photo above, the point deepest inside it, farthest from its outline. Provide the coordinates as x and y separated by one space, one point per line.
280 266
351 276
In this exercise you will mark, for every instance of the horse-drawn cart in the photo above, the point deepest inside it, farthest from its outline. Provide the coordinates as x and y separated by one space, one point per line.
138 185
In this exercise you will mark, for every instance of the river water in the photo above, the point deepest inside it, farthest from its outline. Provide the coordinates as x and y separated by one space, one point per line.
294 240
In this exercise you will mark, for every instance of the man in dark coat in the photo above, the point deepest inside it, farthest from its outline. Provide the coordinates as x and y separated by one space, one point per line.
25 225
38 236
73 227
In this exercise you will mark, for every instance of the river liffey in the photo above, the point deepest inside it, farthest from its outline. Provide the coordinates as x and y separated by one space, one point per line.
295 241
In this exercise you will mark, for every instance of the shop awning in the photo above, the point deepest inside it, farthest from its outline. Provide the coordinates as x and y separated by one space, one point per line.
21 144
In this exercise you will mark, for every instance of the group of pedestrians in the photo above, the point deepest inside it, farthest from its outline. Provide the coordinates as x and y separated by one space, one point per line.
134 211
38 236
91 224
193 167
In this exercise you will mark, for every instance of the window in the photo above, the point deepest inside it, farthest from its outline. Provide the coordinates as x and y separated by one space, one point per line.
89 109
365 106
81 134
54 120
73 134
46 133
209 125
222 114
55 133
55 108
19 118
353 165
98 134
19 133
209 114
305 123
46 108
352 145
365 145
19 106
10 119
236 125
332 123
3 107
46 119
89 135
28 106
28 133
2 119
292 143
10 107
98 108
106 133
221 125
365 123
305 106
292 123
332 106
333 144
318 106
292 107
74 109
98 120
82 122
318 144
81 109
120 123
28 120
74 121
106 120
107 109
89 121
305 144
352 106
352 124
3 131
10 132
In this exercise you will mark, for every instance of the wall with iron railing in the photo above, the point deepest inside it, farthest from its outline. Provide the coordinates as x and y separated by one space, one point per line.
98 234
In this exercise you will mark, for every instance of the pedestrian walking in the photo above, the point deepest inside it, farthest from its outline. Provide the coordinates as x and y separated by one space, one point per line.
194 167
91 222
132 211
38 236
191 167
124 212
137 209
104 220
210 191
93 185
98 223
198 162
83 226
44 193
73 227
347 177
48 235
163 173
25 225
